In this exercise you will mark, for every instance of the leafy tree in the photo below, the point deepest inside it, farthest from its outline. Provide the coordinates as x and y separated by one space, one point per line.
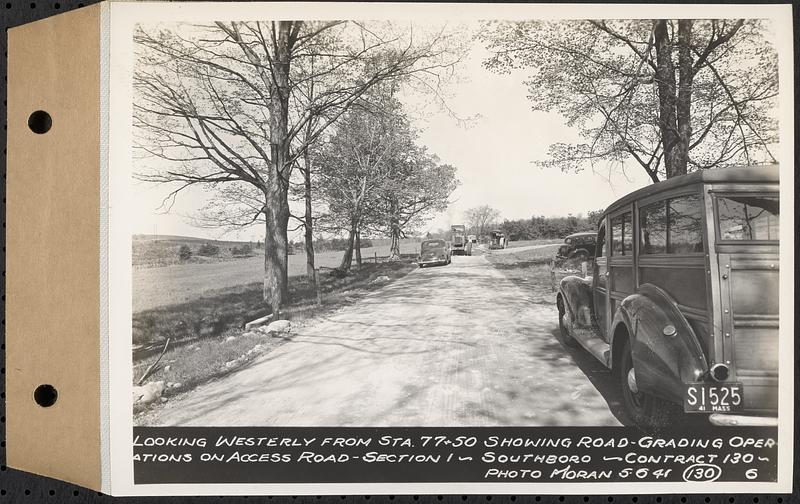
356 161
422 186
419 185
375 178
670 96
540 227
593 218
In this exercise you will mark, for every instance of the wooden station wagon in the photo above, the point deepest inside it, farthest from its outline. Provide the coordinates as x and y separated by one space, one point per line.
683 301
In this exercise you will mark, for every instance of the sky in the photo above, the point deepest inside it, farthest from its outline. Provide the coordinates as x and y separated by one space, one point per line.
493 153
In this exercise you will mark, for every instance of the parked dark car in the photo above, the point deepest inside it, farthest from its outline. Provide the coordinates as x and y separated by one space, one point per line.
433 252
683 301
578 245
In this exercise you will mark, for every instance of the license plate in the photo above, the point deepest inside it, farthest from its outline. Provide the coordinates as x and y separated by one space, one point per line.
712 397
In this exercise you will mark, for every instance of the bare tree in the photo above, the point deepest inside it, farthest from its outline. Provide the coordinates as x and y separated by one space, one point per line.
217 105
669 96
480 217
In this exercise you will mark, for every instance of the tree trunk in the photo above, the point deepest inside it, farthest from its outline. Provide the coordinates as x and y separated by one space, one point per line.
276 280
684 104
347 259
358 248
276 211
309 224
394 249
665 79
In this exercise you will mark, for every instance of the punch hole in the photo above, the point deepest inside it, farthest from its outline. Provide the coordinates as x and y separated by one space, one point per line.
45 395
40 122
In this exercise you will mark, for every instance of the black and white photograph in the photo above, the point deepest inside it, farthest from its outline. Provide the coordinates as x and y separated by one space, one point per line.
410 221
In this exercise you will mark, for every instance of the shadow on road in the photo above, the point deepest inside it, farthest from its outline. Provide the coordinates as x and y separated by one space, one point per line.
453 345
602 378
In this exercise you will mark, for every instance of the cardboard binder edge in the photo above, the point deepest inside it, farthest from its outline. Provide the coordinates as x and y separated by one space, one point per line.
52 261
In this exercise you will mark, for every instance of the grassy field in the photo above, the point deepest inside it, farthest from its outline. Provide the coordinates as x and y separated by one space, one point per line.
182 283
152 251
529 268
526 243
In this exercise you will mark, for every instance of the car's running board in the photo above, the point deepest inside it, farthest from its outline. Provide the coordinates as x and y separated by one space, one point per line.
594 345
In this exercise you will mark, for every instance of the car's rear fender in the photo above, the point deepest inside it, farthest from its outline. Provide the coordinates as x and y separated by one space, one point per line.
576 294
664 359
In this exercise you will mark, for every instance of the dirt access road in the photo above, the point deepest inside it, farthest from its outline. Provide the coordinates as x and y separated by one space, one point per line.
456 345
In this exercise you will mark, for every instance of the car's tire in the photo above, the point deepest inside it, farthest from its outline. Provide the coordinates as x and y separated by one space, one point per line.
580 255
646 411
566 337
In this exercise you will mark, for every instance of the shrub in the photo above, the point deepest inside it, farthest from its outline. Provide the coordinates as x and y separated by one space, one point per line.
208 249
244 250
185 253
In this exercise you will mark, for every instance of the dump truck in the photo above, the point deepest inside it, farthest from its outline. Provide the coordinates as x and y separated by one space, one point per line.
459 243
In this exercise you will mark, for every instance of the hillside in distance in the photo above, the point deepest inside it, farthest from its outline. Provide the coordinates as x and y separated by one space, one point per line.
163 250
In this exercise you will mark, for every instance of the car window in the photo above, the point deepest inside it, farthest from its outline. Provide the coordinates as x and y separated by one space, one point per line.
601 242
685 233
621 242
748 217
653 224
433 244
673 226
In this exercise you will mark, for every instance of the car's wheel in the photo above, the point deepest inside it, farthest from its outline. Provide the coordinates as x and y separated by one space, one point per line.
580 255
644 410
562 327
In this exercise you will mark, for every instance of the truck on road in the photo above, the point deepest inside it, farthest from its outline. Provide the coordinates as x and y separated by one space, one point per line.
459 243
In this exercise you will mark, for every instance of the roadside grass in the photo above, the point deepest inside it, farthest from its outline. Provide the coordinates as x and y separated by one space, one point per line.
525 243
529 269
207 336
184 367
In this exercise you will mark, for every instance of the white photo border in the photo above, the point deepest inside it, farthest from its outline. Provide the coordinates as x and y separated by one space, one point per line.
118 474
